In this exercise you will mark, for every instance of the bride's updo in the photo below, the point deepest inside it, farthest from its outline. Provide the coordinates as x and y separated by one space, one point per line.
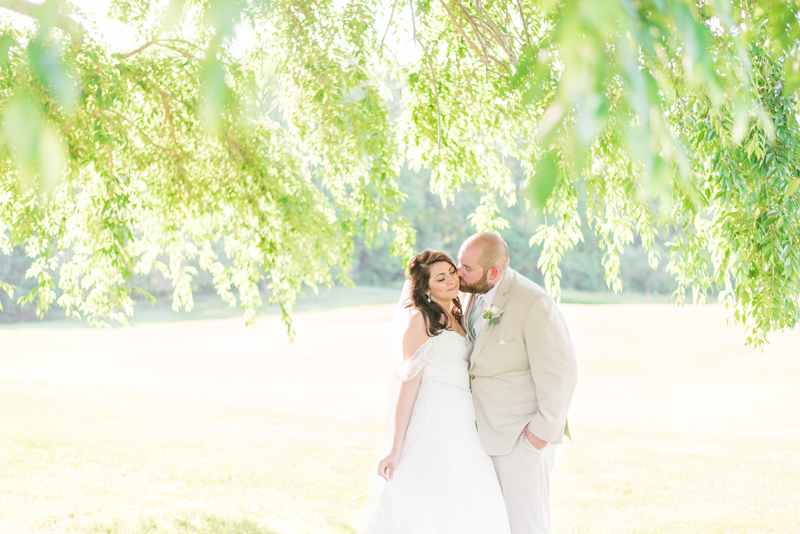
419 275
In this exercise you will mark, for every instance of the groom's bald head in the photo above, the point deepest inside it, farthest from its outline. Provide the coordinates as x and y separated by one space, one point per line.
482 261
489 249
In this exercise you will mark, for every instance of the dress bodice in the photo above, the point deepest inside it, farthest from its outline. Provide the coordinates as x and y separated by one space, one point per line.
448 360
442 358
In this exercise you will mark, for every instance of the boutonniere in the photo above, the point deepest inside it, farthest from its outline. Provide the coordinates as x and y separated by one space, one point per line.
492 314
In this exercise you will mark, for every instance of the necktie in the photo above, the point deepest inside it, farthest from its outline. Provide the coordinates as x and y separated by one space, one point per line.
474 314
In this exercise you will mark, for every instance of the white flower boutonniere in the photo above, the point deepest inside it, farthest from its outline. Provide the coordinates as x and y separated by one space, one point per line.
492 314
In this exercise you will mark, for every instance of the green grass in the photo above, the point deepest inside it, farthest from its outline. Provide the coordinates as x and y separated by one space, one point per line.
574 296
211 306
206 426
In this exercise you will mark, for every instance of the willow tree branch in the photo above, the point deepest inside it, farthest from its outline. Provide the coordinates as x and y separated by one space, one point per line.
433 75
156 43
110 159
391 18
141 132
481 31
462 32
486 27
134 52
41 12
524 22
481 37
183 41
497 35
477 31
179 156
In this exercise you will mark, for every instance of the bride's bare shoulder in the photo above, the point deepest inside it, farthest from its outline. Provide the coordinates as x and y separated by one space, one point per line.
415 335
416 322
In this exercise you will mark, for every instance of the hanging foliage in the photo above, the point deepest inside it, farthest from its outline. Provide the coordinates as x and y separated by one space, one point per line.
279 128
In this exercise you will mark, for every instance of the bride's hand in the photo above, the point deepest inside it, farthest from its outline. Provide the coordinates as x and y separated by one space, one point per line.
387 466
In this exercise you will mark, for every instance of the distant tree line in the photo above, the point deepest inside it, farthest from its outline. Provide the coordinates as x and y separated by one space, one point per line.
445 228
441 228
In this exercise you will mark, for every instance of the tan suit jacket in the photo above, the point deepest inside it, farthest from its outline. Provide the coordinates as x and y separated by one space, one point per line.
522 369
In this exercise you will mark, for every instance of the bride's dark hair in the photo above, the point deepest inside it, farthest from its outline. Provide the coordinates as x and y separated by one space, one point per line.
419 275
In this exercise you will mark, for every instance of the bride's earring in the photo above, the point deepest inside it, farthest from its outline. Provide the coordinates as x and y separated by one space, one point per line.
429 297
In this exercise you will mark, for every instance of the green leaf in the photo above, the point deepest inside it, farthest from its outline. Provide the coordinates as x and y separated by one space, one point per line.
223 15
21 129
524 66
173 14
52 159
791 188
531 95
533 72
47 63
791 75
592 115
145 294
741 122
9 289
6 42
27 299
781 16
543 181
215 94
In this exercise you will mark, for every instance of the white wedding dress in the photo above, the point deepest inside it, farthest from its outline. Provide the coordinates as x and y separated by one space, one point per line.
445 483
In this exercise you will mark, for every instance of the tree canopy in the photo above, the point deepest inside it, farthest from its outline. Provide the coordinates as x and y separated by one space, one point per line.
279 130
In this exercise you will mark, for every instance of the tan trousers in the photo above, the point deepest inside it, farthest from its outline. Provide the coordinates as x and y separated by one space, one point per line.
525 480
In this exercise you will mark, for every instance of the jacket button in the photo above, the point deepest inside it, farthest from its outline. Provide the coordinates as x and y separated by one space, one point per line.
472 377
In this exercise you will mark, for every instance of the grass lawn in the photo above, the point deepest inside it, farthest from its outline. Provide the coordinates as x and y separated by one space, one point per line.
207 426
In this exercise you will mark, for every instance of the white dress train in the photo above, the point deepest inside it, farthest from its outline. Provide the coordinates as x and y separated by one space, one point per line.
445 483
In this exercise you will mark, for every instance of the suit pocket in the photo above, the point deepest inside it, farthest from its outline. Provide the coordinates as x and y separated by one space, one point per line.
529 444
523 408
508 346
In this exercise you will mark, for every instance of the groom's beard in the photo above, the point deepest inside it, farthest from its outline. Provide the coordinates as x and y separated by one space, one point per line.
480 287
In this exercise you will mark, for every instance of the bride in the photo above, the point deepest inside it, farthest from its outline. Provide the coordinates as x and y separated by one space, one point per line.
438 478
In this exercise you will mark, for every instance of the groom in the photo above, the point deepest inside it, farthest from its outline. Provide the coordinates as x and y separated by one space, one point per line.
523 373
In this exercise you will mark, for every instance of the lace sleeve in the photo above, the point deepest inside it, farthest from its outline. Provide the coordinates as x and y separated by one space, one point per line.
412 366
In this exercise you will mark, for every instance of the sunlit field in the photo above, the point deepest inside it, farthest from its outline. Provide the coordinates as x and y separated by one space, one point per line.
207 426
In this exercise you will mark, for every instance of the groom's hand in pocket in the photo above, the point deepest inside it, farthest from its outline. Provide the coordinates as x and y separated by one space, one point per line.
537 443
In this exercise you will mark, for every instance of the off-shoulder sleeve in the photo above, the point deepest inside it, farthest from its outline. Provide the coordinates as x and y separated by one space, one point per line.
412 366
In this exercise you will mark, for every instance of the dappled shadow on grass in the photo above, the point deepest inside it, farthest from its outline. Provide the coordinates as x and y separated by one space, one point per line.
189 524
216 525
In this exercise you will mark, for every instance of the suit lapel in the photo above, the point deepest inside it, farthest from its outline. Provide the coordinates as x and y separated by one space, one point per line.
465 317
500 297
499 300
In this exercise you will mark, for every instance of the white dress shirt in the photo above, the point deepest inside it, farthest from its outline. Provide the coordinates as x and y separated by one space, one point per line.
488 297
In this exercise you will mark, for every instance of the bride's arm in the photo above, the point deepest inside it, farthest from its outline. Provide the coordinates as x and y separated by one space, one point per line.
405 404
413 339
